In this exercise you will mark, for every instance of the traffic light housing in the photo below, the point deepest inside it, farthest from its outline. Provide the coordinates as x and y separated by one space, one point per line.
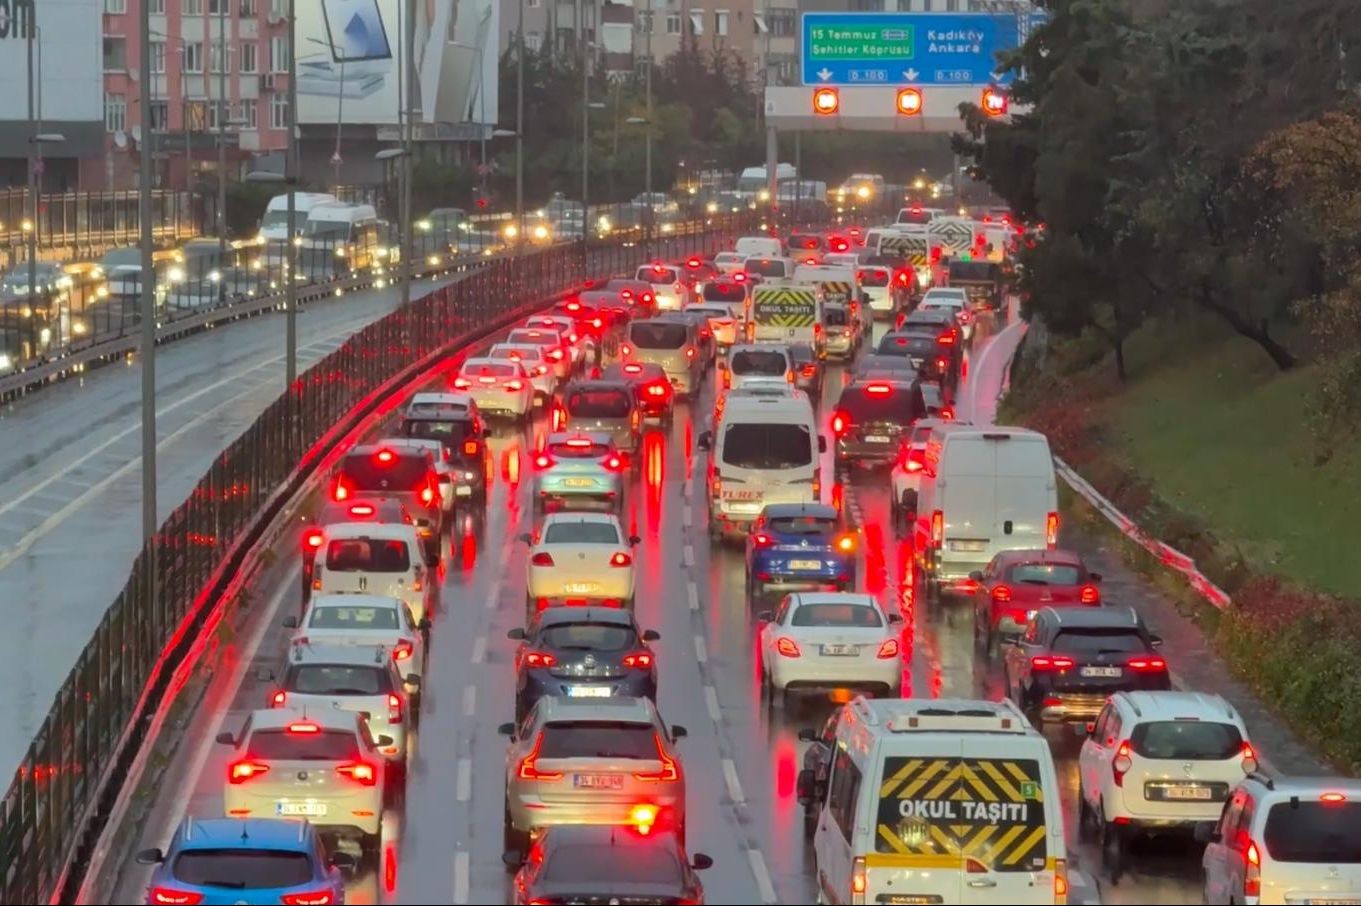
994 102
826 101
909 102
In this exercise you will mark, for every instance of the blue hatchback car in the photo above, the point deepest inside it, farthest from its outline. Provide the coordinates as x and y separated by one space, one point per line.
800 545
214 861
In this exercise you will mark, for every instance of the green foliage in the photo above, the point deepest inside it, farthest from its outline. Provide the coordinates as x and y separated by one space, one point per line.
435 184
245 201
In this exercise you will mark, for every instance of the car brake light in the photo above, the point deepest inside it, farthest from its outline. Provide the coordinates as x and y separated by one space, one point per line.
302 728
1044 663
761 539
427 495
1060 881
1150 664
540 659
937 528
470 448
462 383
859 881
946 339
1051 530
529 770
1252 877
312 538
1121 764
542 558
902 277
278 698
841 423
308 898
342 489
542 461
643 817
1250 766
633 368
641 660
845 543
555 355
385 456
669 772
394 708
787 647
947 413
878 389
361 772
1001 594
689 352
657 389
1090 594
515 385
621 559
241 771
403 650
914 460
739 277
887 649
965 317
614 463
174 897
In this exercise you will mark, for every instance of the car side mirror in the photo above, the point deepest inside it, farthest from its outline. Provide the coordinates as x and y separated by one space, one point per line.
264 675
1205 833
765 616
1156 641
512 858
705 440
151 856
225 738
651 635
805 786
822 444
976 575
517 634
634 539
414 681
506 729
1094 577
895 618
701 861
808 734
343 861
679 732
526 537
424 623
290 622
383 740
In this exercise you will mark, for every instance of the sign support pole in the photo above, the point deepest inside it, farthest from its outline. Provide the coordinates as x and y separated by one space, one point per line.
772 165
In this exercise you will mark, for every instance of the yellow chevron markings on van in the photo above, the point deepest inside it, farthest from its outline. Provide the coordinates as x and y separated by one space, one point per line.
952 776
910 790
887 787
1008 792
1024 847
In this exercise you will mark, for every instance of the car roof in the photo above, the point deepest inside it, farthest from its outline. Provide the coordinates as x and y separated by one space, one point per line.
327 718
1281 787
1061 557
291 834
620 708
337 599
803 598
1095 617
786 510
757 347
384 531
928 316
562 616
413 443
580 517
1169 705
479 362
353 655
595 437
600 383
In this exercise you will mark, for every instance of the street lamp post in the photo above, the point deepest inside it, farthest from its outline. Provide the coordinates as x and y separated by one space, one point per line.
520 126
647 141
221 148
147 289
408 136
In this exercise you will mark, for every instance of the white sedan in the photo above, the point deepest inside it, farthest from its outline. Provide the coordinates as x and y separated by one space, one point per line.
362 620
577 557
497 386
540 371
825 641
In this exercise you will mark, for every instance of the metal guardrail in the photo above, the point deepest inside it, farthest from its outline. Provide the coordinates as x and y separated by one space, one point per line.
62 793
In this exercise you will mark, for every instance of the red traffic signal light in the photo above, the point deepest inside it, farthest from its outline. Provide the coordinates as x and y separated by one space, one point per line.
994 102
909 101
826 101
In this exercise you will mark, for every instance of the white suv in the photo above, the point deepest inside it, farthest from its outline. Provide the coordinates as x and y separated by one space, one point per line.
1286 840
1157 761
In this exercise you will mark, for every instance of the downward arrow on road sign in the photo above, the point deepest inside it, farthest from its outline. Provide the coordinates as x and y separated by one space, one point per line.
911 75
825 74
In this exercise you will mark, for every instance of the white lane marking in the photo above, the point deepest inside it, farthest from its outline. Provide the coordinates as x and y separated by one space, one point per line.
734 785
763 882
461 879
494 595
711 702
686 488
692 592
505 556
687 515
480 649
469 701
701 653
465 779
688 555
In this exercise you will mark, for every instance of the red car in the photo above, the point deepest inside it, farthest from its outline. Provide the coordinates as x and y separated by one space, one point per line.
1015 584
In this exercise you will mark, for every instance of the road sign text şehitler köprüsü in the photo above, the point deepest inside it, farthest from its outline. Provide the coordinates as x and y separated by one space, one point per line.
826 43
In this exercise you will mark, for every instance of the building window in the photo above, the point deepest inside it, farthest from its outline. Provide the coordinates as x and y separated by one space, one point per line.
246 9
673 22
157 7
160 116
721 23
115 7
195 116
158 57
781 22
216 53
534 4
248 54
192 8
278 54
193 56
249 114
952 6
278 111
533 41
219 7
115 112
115 55
868 6
218 114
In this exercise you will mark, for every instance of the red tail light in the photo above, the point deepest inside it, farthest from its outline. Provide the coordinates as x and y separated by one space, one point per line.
946 339
739 277
647 298
625 349
887 649
529 769
841 423
312 539
1147 664
669 772
385 457
1250 765
543 461
787 647
642 660
462 383
621 559
361 510
1051 529
1121 764
809 370
540 659
1252 877
241 771
394 708
658 389
1090 594
761 539
935 255
1045 663
614 462
940 364
470 448
542 558
278 698
302 728
403 651
633 368
903 278
427 495
597 323
174 897
937 528
360 772
515 385
878 389
1001 594
555 355
343 489
914 460
689 352
947 413
310 898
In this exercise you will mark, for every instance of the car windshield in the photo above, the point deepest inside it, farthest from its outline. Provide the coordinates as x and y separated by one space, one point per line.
578 449
1314 832
724 292
368 555
516 353
874 277
590 865
1187 740
802 525
759 361
589 637
880 401
338 679
767 446
608 403
838 614
242 869
581 533
766 267
835 317
805 241
1098 641
598 739
657 334
286 745
396 473
658 275
907 344
449 432
533 338
351 617
326 229
489 369
1044 574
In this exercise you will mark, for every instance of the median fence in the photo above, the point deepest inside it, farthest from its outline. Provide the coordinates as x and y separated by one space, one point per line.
61 795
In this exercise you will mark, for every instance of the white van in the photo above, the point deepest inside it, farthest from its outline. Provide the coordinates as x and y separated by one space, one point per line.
984 490
274 225
938 801
377 559
669 286
786 313
340 238
764 450
759 247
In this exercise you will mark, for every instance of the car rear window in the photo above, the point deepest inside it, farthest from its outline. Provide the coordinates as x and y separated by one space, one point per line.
353 617
905 344
489 369
534 338
724 292
646 866
450 433
589 637
609 403
1187 740
532 353
759 361
767 446
581 533
1315 832
400 473
766 267
1096 641
368 555
658 334
881 401
365 510
802 525
914 215
242 869
856 615
874 277
1044 574
598 739
338 679
657 276
806 241
281 745
835 317
929 319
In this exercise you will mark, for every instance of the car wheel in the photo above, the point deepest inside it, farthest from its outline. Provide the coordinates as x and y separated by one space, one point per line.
1086 819
371 845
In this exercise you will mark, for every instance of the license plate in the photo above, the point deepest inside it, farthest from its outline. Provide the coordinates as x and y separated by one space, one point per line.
971 546
1101 671
301 809
916 362
588 691
840 650
1194 793
805 564
578 482
877 438
745 507
1335 901
598 781
463 491
580 588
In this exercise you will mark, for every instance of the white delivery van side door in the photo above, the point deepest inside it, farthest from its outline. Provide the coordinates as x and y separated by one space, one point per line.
835 838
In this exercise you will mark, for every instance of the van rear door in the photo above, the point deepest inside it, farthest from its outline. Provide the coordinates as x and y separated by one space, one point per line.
968 501
1024 492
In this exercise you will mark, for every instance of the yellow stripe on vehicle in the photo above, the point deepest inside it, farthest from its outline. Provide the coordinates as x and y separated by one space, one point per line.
924 860
887 787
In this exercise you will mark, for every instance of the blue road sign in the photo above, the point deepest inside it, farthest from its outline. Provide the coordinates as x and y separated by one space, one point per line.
909 48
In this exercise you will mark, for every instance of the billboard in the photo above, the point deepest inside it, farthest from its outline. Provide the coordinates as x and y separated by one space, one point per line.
350 60
68 59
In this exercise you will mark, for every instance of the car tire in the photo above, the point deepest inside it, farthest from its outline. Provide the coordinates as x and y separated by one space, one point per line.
371 845
1086 818
789 701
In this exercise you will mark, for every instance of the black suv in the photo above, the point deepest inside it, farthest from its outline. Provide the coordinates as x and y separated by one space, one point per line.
1070 660
926 348
463 437
872 416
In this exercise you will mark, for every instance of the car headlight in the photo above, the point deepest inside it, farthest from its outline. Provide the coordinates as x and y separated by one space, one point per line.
423 226
175 275
215 276
711 207
862 192
511 231
763 195
541 232
340 251
604 225
6 363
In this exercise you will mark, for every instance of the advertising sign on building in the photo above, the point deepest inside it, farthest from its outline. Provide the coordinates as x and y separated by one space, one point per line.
67 59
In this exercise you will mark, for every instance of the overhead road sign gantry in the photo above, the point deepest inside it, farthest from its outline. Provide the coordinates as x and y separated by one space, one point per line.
952 49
